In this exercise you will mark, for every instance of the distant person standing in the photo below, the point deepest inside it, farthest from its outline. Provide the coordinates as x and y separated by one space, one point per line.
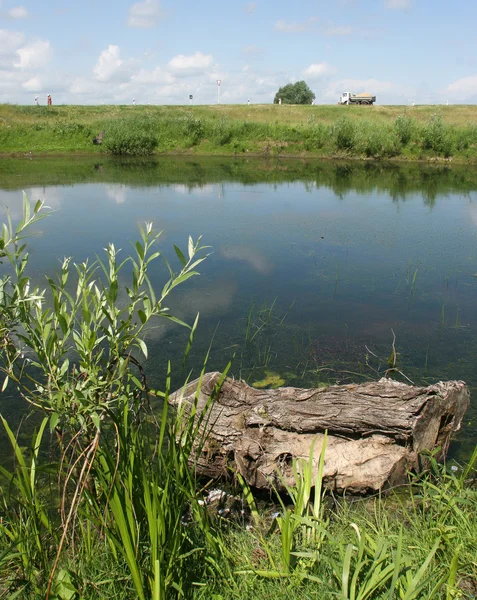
48 98
36 100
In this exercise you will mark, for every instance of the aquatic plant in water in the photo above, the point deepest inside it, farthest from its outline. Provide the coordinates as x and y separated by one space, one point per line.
271 380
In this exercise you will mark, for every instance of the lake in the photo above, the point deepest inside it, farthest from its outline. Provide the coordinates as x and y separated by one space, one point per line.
315 268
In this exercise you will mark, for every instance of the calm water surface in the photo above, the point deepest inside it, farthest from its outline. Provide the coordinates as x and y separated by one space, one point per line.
307 281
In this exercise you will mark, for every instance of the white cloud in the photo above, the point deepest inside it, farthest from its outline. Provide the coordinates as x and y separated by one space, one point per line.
144 14
109 62
33 85
18 12
335 30
10 41
397 4
34 55
115 78
464 88
295 27
194 63
156 76
317 70
111 67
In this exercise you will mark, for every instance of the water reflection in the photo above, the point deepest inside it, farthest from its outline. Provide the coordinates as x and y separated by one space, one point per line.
252 256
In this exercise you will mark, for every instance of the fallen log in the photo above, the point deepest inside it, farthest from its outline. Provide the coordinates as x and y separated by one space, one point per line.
376 431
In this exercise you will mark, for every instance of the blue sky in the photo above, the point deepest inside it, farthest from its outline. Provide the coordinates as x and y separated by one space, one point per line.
160 51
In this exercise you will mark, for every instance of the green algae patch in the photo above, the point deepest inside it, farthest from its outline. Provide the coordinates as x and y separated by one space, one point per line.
271 380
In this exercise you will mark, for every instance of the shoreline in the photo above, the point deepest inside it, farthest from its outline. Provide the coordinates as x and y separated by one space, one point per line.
21 155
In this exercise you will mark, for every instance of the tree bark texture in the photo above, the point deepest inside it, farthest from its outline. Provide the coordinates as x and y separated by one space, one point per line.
376 430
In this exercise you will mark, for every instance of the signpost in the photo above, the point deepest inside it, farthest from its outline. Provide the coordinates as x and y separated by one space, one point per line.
218 91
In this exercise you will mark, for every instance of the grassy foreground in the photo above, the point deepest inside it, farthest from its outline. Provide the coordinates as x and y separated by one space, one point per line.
372 132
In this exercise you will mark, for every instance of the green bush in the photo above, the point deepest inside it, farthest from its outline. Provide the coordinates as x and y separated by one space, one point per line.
222 132
436 136
316 136
466 137
344 133
194 129
129 138
404 128
377 142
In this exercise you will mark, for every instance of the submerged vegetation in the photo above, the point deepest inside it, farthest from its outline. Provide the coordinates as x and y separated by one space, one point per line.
108 506
376 132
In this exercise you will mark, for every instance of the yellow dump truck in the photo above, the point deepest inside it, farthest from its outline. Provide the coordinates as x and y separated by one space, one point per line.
364 98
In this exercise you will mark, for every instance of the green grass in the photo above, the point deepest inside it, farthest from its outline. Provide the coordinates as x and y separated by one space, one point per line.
415 542
368 132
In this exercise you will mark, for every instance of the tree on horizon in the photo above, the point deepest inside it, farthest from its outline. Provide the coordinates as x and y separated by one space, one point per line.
295 93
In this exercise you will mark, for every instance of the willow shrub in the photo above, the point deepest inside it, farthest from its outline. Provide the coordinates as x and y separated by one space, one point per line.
123 474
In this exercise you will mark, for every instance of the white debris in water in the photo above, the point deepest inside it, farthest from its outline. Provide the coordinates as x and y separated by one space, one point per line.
215 495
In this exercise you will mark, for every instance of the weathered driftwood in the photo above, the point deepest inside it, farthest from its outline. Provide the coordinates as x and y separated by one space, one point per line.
375 430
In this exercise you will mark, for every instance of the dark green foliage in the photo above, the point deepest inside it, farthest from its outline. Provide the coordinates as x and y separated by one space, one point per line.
344 132
466 138
404 127
194 129
377 142
222 132
68 128
129 137
316 136
295 93
436 136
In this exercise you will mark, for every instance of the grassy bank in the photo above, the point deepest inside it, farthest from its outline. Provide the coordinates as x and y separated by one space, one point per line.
376 132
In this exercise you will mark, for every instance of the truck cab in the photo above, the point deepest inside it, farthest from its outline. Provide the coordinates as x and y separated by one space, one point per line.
344 98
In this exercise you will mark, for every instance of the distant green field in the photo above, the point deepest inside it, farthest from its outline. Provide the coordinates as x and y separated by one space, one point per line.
372 132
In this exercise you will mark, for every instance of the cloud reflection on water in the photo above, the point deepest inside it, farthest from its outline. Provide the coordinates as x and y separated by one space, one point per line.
257 261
